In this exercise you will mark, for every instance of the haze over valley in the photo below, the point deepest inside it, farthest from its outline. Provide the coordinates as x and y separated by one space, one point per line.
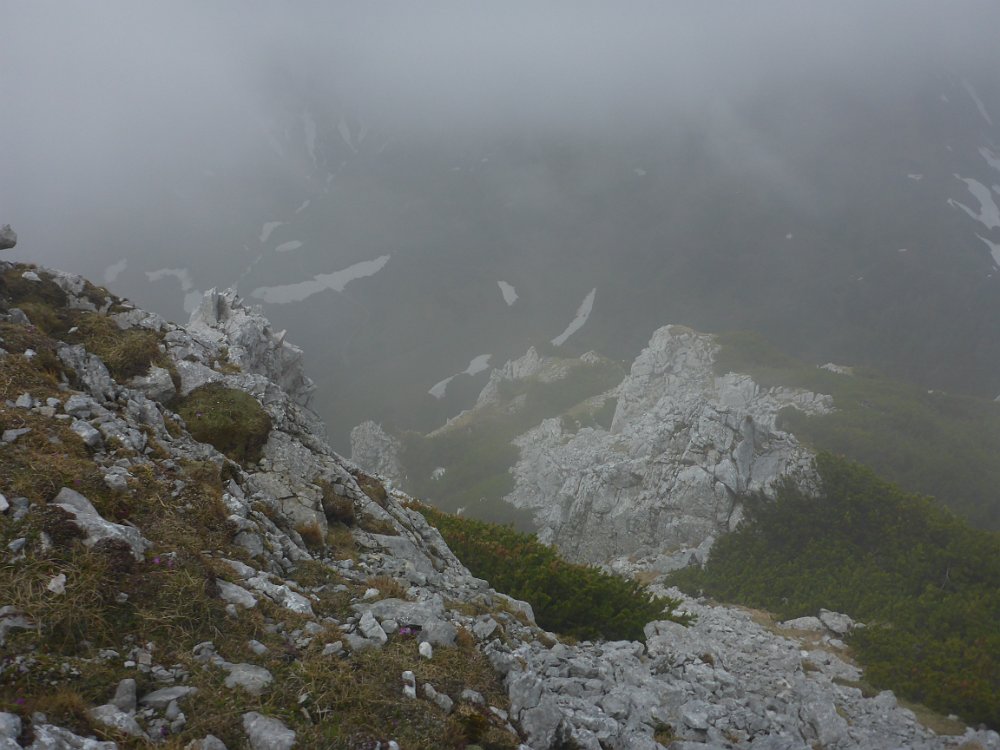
406 190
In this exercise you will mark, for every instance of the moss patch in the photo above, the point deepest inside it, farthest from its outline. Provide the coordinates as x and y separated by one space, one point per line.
227 418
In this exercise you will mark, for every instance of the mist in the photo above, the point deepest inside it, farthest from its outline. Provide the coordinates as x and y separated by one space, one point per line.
102 101
382 165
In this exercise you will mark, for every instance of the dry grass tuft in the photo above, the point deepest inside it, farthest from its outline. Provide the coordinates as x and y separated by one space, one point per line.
312 536
389 587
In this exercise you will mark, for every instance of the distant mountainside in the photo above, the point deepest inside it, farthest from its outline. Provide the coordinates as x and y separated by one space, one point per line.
843 225
642 470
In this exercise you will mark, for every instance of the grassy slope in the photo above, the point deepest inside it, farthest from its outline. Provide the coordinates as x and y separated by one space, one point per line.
928 442
576 600
926 582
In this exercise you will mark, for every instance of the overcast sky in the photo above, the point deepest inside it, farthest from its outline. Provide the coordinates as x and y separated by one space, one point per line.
100 97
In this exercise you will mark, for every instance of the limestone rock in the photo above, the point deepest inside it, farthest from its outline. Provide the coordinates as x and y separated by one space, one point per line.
684 444
802 623
250 341
156 385
160 699
90 370
117 719
373 448
125 695
94 526
371 630
208 742
233 594
13 619
8 237
266 733
255 680
837 622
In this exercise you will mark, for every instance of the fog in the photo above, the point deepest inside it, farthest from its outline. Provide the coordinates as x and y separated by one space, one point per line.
658 153
102 99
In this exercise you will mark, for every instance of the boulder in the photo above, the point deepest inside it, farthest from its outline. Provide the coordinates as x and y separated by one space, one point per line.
95 527
8 237
266 733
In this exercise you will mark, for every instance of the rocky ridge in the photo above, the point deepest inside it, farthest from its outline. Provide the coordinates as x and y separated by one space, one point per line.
393 597
130 430
683 446
653 489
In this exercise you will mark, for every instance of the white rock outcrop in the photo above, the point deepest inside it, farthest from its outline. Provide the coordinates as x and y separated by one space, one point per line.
684 445
8 237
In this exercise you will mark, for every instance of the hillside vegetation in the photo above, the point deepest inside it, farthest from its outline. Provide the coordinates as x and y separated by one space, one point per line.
925 582
925 441
575 600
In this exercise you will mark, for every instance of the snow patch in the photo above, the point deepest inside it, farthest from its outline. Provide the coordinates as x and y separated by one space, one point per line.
112 272
477 365
988 214
992 158
287 247
915 176
978 101
439 389
309 125
265 231
336 281
994 248
640 172
508 292
303 206
345 133
582 314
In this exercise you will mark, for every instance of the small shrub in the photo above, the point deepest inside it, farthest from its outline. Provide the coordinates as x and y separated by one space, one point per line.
60 525
312 535
340 542
374 525
229 419
663 733
374 489
927 584
574 600
337 508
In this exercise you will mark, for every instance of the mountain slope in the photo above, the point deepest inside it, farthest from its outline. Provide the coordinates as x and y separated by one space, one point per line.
154 590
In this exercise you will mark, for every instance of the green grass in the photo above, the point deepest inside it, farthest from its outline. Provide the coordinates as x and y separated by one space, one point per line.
928 442
227 418
575 600
926 583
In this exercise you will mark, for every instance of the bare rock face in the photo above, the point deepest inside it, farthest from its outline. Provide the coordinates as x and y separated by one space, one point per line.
251 344
8 237
376 450
684 445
